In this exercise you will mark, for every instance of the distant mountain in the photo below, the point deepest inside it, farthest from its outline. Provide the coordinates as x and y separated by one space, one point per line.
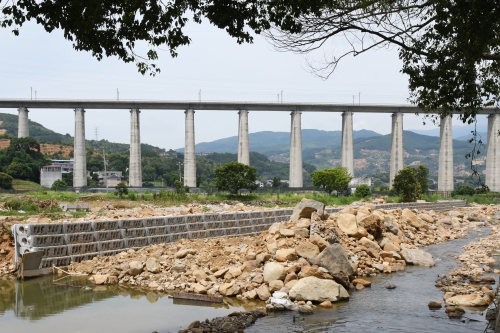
459 132
372 155
276 143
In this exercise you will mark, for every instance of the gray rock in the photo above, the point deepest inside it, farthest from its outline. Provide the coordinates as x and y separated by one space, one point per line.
153 265
335 260
306 208
178 268
417 257
135 268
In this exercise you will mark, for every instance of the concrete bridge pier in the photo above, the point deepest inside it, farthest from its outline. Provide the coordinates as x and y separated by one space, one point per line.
243 147
296 151
397 151
493 153
80 152
445 171
23 129
135 160
189 151
347 159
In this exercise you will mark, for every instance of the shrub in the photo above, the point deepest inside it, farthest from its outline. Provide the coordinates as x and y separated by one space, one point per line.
59 184
363 191
121 190
5 181
463 190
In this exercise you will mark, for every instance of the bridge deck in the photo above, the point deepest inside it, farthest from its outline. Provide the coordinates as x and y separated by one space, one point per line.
212 106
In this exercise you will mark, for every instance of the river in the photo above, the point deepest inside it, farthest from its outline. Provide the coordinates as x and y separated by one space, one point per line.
37 305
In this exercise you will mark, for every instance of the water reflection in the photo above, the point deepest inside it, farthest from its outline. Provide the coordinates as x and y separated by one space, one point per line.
38 298
24 304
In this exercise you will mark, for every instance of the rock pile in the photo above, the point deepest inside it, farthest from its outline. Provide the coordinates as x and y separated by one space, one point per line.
308 259
471 284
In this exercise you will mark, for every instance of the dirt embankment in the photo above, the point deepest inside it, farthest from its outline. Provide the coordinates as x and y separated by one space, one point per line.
6 247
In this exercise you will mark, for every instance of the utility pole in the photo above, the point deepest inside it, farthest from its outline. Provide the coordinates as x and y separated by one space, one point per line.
105 170
117 95
282 96
180 175
359 98
35 95
352 99
199 96
31 93
278 98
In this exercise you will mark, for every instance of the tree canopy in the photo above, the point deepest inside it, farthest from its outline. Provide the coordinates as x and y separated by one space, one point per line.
23 159
234 176
410 183
336 179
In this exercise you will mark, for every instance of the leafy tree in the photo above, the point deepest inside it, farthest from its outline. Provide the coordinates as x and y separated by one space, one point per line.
336 179
22 159
422 176
463 190
170 177
148 173
59 184
363 191
121 190
234 176
408 183
19 170
68 178
5 181
276 182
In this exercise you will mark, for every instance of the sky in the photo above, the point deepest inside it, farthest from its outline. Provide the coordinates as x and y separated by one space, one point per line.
40 65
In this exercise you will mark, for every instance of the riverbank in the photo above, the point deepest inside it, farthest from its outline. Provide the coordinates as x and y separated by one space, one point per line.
471 283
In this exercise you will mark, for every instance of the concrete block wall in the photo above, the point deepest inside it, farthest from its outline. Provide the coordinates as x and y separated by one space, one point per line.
63 243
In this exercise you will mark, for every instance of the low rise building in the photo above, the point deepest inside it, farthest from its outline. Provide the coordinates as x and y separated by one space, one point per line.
49 174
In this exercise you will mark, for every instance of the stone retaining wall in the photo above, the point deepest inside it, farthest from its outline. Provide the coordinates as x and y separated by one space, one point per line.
65 242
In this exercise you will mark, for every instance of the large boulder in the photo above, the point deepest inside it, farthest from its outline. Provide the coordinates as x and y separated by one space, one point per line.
135 268
347 223
318 290
417 257
286 255
263 292
229 289
274 271
335 260
305 208
410 218
307 250
469 300
153 265
319 241
372 223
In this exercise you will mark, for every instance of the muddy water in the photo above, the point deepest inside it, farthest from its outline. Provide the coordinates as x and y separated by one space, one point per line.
39 306
377 309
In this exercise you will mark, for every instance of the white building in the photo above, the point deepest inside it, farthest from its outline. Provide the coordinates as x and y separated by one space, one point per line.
49 174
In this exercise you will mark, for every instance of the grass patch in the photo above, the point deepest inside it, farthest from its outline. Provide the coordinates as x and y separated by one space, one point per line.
25 185
78 214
